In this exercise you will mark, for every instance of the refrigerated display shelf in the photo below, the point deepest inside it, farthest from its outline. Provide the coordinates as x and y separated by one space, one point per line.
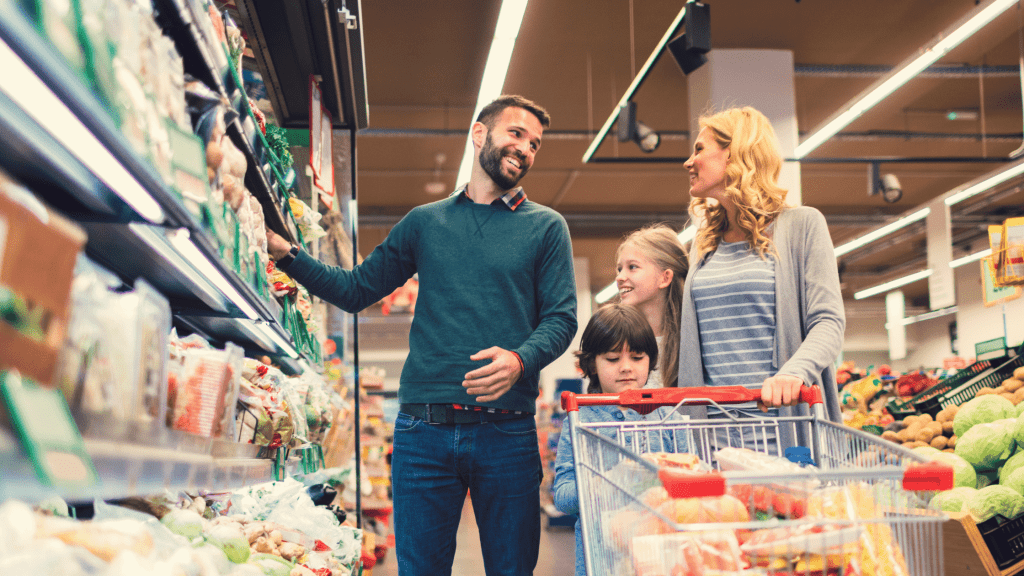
130 468
142 230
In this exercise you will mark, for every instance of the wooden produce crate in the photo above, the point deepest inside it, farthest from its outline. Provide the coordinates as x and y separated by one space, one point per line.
971 549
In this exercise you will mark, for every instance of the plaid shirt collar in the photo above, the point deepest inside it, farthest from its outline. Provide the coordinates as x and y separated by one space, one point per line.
512 199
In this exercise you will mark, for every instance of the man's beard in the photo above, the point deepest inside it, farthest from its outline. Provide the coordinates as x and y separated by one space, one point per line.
490 161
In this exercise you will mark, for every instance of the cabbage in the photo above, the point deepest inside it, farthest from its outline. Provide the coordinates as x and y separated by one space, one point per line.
187 523
231 540
987 478
982 410
1014 480
271 565
1019 408
926 451
986 446
951 500
1015 461
992 500
1018 429
964 474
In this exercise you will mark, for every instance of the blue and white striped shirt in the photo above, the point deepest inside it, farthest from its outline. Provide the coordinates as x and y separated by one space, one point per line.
734 297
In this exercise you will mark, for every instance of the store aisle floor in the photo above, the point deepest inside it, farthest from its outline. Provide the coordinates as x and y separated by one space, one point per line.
557 550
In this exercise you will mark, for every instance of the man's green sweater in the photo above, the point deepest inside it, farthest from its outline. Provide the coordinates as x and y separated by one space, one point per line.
489 276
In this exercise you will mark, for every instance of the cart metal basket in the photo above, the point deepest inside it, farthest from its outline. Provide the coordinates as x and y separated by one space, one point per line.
744 509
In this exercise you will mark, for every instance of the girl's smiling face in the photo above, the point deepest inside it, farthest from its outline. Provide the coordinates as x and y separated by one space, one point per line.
622 370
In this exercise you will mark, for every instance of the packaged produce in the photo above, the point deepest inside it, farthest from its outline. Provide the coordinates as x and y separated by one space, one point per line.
206 389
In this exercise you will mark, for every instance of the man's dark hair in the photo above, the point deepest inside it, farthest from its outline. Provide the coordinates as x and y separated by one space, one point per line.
490 113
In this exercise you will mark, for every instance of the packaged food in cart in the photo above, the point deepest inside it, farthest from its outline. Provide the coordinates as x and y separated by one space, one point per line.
741 508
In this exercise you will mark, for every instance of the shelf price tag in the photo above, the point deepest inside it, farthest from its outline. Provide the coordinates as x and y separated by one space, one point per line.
48 434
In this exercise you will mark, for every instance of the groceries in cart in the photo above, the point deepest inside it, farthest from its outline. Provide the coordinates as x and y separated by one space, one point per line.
737 510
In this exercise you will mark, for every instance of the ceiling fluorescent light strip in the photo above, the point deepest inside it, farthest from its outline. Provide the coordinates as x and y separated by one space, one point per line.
182 242
612 289
505 33
883 231
35 98
971 258
892 284
986 184
634 85
940 46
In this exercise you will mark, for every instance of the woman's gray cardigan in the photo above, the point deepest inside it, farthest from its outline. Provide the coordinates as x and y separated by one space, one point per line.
809 316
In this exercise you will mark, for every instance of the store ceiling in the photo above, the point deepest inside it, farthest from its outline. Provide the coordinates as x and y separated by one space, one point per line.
424 61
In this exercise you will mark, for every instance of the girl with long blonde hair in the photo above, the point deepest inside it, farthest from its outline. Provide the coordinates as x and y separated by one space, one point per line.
651 266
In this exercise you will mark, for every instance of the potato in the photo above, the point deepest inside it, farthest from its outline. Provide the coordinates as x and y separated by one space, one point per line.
914 444
925 418
953 410
944 415
985 392
1009 396
890 436
902 436
935 427
1012 384
1018 396
950 450
924 435
1019 373
939 442
951 443
1000 389
910 420
947 428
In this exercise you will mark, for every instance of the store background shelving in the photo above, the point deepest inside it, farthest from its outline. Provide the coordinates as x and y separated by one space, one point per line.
137 228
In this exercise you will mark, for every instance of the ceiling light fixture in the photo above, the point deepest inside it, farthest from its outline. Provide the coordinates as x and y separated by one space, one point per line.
510 18
883 231
971 258
632 129
891 285
989 182
612 289
924 57
38 101
635 84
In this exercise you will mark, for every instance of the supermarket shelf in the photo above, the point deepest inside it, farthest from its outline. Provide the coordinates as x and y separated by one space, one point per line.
128 468
136 226
177 20
45 90
294 40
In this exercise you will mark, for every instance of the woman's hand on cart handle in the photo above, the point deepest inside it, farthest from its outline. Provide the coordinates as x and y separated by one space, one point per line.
780 390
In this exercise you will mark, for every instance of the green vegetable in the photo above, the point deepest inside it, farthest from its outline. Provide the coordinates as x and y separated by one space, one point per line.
986 446
951 500
1014 480
1015 462
926 451
1018 429
187 523
964 474
271 565
992 500
231 540
982 410
987 478
1020 409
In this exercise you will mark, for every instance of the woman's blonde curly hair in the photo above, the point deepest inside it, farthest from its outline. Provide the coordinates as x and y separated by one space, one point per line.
751 180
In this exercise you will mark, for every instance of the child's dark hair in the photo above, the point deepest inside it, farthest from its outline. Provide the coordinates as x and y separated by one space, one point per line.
610 327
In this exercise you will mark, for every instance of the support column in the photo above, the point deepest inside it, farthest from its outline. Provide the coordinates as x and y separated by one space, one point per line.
759 78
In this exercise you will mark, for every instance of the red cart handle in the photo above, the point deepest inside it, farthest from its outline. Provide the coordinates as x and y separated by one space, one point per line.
647 400
687 484
928 477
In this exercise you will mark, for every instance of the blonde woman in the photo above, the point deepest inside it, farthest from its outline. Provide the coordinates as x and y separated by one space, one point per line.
761 305
651 265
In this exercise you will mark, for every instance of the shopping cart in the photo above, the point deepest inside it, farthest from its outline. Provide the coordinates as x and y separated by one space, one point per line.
859 510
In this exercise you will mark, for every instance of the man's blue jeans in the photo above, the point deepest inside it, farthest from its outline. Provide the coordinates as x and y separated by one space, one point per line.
432 467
